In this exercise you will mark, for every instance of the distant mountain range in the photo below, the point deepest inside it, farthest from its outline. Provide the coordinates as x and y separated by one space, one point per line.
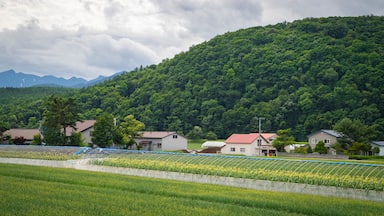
10 78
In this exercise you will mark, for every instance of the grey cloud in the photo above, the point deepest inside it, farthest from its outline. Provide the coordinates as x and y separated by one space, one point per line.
62 53
112 9
324 8
127 34
209 18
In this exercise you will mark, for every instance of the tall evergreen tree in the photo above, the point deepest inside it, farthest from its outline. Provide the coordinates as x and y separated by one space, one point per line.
103 130
60 114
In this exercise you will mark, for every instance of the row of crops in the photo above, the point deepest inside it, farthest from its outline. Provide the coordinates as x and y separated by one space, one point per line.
27 190
340 174
42 152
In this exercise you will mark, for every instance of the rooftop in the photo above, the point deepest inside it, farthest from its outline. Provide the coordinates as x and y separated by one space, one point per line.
248 138
379 143
26 133
156 134
80 126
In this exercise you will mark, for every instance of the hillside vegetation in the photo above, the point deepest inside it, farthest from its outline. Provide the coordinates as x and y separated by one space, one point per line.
305 75
23 107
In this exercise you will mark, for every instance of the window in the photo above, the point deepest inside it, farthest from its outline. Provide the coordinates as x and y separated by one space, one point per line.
174 136
326 141
233 149
159 145
242 149
259 142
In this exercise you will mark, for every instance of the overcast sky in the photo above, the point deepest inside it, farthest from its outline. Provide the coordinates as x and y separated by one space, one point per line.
88 38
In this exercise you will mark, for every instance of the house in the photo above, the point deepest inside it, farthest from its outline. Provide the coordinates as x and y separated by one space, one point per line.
85 128
27 134
161 141
252 144
329 137
380 145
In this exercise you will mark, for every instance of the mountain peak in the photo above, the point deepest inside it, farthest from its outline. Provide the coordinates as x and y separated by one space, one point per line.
11 78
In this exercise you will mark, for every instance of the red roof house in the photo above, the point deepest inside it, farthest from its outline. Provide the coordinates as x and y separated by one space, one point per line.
251 144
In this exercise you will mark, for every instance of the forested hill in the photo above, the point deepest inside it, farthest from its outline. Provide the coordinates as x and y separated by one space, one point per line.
305 75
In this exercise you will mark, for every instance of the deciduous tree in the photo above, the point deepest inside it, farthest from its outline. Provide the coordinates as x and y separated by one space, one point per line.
131 128
284 138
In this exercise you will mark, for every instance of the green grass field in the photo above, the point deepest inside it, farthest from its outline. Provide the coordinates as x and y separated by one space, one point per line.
195 144
30 190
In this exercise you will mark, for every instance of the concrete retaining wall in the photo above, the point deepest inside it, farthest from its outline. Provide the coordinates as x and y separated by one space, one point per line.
219 180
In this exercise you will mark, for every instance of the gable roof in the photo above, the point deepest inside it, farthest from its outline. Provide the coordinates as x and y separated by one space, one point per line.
156 134
267 136
242 138
80 127
247 138
329 132
26 133
379 143
333 133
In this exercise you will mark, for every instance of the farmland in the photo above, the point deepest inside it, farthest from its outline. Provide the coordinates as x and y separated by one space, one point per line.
340 174
28 190
39 152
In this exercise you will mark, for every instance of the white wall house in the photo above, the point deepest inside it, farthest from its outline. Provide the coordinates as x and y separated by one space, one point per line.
161 141
379 144
251 144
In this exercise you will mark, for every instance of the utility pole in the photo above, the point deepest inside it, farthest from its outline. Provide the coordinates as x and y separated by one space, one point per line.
259 142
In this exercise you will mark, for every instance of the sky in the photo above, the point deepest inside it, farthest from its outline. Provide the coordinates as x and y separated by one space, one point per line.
88 38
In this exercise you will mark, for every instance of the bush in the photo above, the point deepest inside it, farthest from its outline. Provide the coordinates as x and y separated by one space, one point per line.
362 157
320 148
211 136
37 139
19 140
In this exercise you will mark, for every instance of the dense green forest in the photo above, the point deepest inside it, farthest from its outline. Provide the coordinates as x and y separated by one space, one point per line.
23 107
305 75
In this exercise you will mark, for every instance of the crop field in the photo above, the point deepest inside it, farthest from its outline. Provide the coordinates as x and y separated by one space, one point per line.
40 152
340 174
30 190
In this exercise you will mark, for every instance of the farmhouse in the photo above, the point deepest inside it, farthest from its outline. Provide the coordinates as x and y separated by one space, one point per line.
380 145
252 144
329 137
85 128
27 134
161 141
